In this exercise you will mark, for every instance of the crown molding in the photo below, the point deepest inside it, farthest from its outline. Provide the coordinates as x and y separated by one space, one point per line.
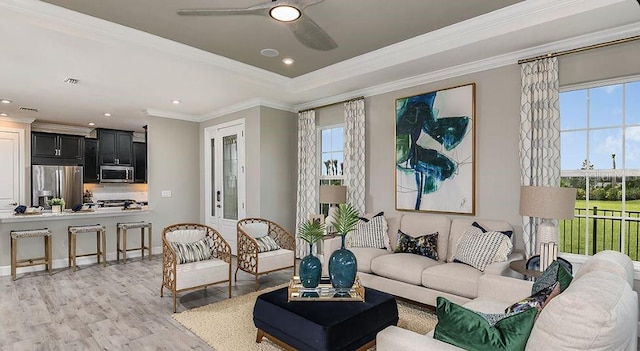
169 114
60 128
245 105
17 119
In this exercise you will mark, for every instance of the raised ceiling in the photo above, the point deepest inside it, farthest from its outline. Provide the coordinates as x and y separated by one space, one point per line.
133 74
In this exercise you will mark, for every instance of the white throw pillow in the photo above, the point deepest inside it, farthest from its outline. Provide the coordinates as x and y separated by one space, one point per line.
479 249
370 233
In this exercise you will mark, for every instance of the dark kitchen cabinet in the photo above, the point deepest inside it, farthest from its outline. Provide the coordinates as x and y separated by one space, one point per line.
140 162
115 147
46 148
91 165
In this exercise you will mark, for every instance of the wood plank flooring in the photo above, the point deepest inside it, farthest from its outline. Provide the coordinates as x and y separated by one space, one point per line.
117 307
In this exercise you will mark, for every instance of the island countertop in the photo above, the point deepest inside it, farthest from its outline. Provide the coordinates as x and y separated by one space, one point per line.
10 217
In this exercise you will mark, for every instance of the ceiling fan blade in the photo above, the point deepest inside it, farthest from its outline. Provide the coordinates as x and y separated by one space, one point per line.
302 4
311 35
259 9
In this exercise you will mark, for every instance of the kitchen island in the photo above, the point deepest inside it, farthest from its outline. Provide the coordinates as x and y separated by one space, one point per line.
58 224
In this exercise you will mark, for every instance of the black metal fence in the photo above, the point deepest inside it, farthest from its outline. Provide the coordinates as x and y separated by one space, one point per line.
605 232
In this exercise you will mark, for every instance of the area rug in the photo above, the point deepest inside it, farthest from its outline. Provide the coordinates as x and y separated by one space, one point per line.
228 325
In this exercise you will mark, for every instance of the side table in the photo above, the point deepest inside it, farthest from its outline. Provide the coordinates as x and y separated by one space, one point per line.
520 266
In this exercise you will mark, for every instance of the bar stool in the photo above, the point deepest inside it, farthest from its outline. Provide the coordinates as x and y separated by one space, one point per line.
122 229
30 233
101 243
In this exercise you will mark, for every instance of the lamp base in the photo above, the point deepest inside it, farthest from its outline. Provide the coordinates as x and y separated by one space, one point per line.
547 233
331 215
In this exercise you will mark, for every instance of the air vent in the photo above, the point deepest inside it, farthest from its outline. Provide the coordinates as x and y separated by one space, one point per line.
30 109
71 80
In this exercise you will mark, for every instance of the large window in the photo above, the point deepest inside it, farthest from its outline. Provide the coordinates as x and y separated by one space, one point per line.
600 153
331 151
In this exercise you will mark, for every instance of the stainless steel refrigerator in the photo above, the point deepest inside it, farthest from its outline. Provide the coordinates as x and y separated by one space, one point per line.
56 181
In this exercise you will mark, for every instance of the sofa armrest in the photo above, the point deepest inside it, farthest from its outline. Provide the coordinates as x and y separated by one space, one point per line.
502 268
505 289
394 339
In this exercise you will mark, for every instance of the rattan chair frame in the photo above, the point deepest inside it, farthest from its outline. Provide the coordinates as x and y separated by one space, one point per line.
247 252
221 250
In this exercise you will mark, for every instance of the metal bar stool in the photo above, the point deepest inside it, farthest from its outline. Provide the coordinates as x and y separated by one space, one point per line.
30 233
101 243
122 229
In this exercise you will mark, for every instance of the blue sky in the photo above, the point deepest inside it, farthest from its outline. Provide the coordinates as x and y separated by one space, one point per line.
614 115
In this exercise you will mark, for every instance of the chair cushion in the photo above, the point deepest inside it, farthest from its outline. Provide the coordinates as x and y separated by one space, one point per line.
200 273
256 230
364 255
193 252
402 266
266 243
455 278
185 235
273 260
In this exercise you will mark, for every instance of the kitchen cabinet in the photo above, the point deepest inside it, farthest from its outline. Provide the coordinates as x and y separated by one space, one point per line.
140 162
115 147
91 165
49 148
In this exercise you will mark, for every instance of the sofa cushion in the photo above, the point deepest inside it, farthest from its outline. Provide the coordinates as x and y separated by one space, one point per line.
364 255
597 312
393 223
455 278
403 267
459 227
486 304
425 245
418 225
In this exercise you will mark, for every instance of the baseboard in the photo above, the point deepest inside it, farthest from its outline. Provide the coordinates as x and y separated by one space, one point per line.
64 262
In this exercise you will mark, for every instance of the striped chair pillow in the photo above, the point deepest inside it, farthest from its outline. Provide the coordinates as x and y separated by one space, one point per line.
267 243
192 252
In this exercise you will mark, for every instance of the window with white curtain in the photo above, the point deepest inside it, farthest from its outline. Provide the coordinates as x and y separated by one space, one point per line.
331 156
600 156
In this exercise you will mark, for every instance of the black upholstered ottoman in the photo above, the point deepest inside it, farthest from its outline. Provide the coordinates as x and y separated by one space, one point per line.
322 325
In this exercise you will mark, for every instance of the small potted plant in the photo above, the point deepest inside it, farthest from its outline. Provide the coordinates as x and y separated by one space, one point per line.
342 263
310 266
57 204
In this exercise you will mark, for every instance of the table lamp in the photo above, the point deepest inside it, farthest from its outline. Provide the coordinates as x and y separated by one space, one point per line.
548 203
332 195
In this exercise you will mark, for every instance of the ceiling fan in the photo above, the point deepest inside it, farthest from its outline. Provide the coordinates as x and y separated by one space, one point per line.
290 12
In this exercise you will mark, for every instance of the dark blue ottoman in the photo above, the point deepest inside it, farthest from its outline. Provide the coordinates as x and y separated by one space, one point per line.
322 325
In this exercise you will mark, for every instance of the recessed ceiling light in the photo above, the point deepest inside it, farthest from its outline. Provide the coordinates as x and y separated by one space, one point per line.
285 13
288 61
175 102
269 52
92 124
107 114
4 114
5 101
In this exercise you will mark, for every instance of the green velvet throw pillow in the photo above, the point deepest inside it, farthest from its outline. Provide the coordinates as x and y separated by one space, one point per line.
471 331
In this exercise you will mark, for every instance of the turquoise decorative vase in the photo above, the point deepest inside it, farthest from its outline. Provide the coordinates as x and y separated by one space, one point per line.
310 270
342 268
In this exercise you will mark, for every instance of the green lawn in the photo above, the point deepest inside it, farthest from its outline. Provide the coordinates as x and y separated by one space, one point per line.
605 232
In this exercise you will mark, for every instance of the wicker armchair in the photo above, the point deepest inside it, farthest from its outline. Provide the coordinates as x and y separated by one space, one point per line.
258 263
178 277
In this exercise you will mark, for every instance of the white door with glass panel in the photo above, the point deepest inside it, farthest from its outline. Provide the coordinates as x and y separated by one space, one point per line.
225 178
12 170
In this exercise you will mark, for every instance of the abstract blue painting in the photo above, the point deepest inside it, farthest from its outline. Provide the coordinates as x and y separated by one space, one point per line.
435 153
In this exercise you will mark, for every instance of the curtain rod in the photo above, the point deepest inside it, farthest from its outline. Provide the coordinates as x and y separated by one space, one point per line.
584 48
332 104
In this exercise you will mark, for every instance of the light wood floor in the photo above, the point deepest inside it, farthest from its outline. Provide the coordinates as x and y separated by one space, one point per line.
117 307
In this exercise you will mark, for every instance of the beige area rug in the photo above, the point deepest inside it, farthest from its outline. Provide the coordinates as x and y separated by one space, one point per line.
228 325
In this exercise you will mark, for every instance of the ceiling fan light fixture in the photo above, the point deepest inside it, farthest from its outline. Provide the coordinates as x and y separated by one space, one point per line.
285 13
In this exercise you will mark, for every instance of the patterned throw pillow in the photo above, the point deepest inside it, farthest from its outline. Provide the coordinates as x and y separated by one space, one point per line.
538 300
192 252
508 233
266 244
370 233
426 245
554 273
479 249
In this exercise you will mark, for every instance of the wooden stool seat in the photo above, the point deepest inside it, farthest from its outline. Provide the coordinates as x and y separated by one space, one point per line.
30 233
101 243
122 229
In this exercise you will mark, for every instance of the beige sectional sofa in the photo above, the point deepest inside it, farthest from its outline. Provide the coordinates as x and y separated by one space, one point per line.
420 278
598 311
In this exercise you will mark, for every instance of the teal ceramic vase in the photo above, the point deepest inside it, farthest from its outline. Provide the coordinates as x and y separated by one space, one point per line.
310 270
342 268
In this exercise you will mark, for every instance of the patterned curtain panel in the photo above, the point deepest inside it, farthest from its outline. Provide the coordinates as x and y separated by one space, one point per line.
354 151
307 195
539 134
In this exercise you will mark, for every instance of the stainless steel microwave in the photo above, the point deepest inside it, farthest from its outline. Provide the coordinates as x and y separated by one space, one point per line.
116 174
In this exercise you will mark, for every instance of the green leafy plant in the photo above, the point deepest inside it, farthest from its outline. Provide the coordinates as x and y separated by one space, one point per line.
346 219
311 231
56 202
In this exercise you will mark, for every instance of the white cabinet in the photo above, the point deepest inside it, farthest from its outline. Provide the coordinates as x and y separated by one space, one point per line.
12 171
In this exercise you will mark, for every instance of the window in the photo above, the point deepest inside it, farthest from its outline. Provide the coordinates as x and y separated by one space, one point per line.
331 151
600 156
